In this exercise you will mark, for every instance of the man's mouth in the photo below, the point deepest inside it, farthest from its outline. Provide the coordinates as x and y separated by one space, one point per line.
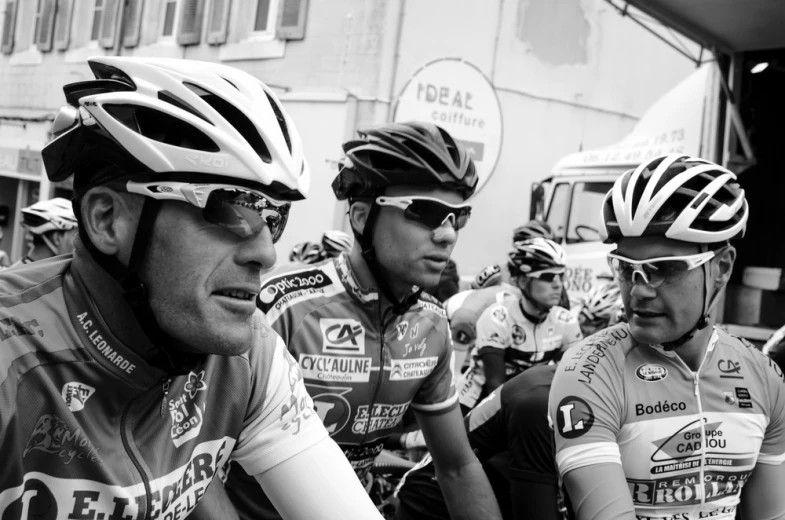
236 294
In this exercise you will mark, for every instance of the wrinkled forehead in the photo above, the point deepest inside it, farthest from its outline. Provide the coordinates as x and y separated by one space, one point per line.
641 248
448 196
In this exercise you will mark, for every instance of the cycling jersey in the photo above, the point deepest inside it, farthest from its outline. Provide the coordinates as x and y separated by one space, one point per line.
504 328
509 432
687 441
89 430
363 366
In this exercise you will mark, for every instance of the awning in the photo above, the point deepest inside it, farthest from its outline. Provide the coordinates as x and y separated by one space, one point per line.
727 25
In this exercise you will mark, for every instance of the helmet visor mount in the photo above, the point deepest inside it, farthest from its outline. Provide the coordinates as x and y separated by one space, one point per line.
242 211
429 211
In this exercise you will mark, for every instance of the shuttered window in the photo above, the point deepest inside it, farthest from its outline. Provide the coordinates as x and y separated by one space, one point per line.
63 24
170 15
292 16
218 21
189 31
9 24
133 22
109 25
44 24
262 20
98 18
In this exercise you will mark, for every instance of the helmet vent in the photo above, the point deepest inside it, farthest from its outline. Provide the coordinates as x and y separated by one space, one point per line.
229 82
165 95
281 120
236 118
162 127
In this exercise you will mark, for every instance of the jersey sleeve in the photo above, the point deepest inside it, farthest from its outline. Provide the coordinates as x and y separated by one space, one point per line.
437 394
280 421
585 406
485 426
772 450
494 328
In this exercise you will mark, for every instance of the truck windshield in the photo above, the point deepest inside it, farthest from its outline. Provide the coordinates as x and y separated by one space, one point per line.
574 212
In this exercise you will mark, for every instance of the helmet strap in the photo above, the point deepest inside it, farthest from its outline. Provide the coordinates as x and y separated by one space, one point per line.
708 306
369 255
52 247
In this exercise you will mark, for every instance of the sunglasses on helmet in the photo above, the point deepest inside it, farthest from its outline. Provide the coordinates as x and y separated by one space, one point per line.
429 211
656 271
243 211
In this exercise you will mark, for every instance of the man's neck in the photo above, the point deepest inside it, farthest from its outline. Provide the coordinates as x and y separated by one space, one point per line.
694 350
365 277
529 308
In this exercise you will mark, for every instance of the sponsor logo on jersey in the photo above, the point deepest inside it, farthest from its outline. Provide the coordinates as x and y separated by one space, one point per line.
342 336
438 309
400 329
651 373
279 291
173 495
518 334
659 407
591 352
688 441
687 489
185 412
331 406
415 347
362 457
729 397
486 273
379 417
76 395
418 368
744 397
103 347
730 369
415 330
10 327
574 417
336 368
499 315
52 435
299 407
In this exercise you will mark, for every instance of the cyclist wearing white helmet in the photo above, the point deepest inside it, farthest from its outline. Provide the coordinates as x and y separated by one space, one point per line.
601 308
520 332
136 367
532 229
668 416
51 227
336 242
307 253
370 342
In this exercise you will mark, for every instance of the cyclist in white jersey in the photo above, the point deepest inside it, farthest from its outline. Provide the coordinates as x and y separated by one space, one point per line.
667 416
520 332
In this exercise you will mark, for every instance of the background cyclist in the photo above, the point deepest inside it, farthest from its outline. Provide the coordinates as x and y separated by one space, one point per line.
51 228
601 308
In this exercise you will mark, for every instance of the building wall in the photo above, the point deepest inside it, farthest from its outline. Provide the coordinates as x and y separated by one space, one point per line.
570 75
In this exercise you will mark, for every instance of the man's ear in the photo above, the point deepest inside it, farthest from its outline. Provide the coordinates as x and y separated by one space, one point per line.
724 266
110 219
358 215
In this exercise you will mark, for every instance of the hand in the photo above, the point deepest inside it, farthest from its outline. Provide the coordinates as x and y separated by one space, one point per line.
412 440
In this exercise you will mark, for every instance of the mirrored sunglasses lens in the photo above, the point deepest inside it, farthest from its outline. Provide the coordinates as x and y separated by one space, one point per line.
433 214
244 214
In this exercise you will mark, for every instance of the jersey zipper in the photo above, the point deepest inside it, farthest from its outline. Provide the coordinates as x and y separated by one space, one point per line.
382 335
696 391
137 464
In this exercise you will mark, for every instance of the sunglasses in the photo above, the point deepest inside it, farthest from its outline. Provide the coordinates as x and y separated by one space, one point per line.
656 271
430 212
243 211
547 275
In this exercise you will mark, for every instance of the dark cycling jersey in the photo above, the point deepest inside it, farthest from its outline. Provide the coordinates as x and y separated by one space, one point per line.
687 441
363 367
509 432
89 430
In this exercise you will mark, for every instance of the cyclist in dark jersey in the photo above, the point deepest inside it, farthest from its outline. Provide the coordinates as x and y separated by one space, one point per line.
133 369
509 432
370 343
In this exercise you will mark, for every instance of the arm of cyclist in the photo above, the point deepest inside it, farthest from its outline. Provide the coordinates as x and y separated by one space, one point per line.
599 492
757 499
494 369
494 336
325 484
460 475
586 411
215 504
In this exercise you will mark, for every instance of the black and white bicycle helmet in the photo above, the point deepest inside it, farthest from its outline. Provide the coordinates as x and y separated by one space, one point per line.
336 242
603 301
55 214
532 229
307 253
535 254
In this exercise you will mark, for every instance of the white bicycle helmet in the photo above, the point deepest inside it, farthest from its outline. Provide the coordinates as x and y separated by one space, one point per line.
49 215
534 255
678 197
307 253
197 120
336 242
603 302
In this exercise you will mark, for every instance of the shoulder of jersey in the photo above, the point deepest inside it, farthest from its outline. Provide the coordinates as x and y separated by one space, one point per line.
428 303
614 342
755 353
561 315
293 283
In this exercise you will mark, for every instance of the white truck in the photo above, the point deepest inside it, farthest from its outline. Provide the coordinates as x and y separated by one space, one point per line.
737 87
